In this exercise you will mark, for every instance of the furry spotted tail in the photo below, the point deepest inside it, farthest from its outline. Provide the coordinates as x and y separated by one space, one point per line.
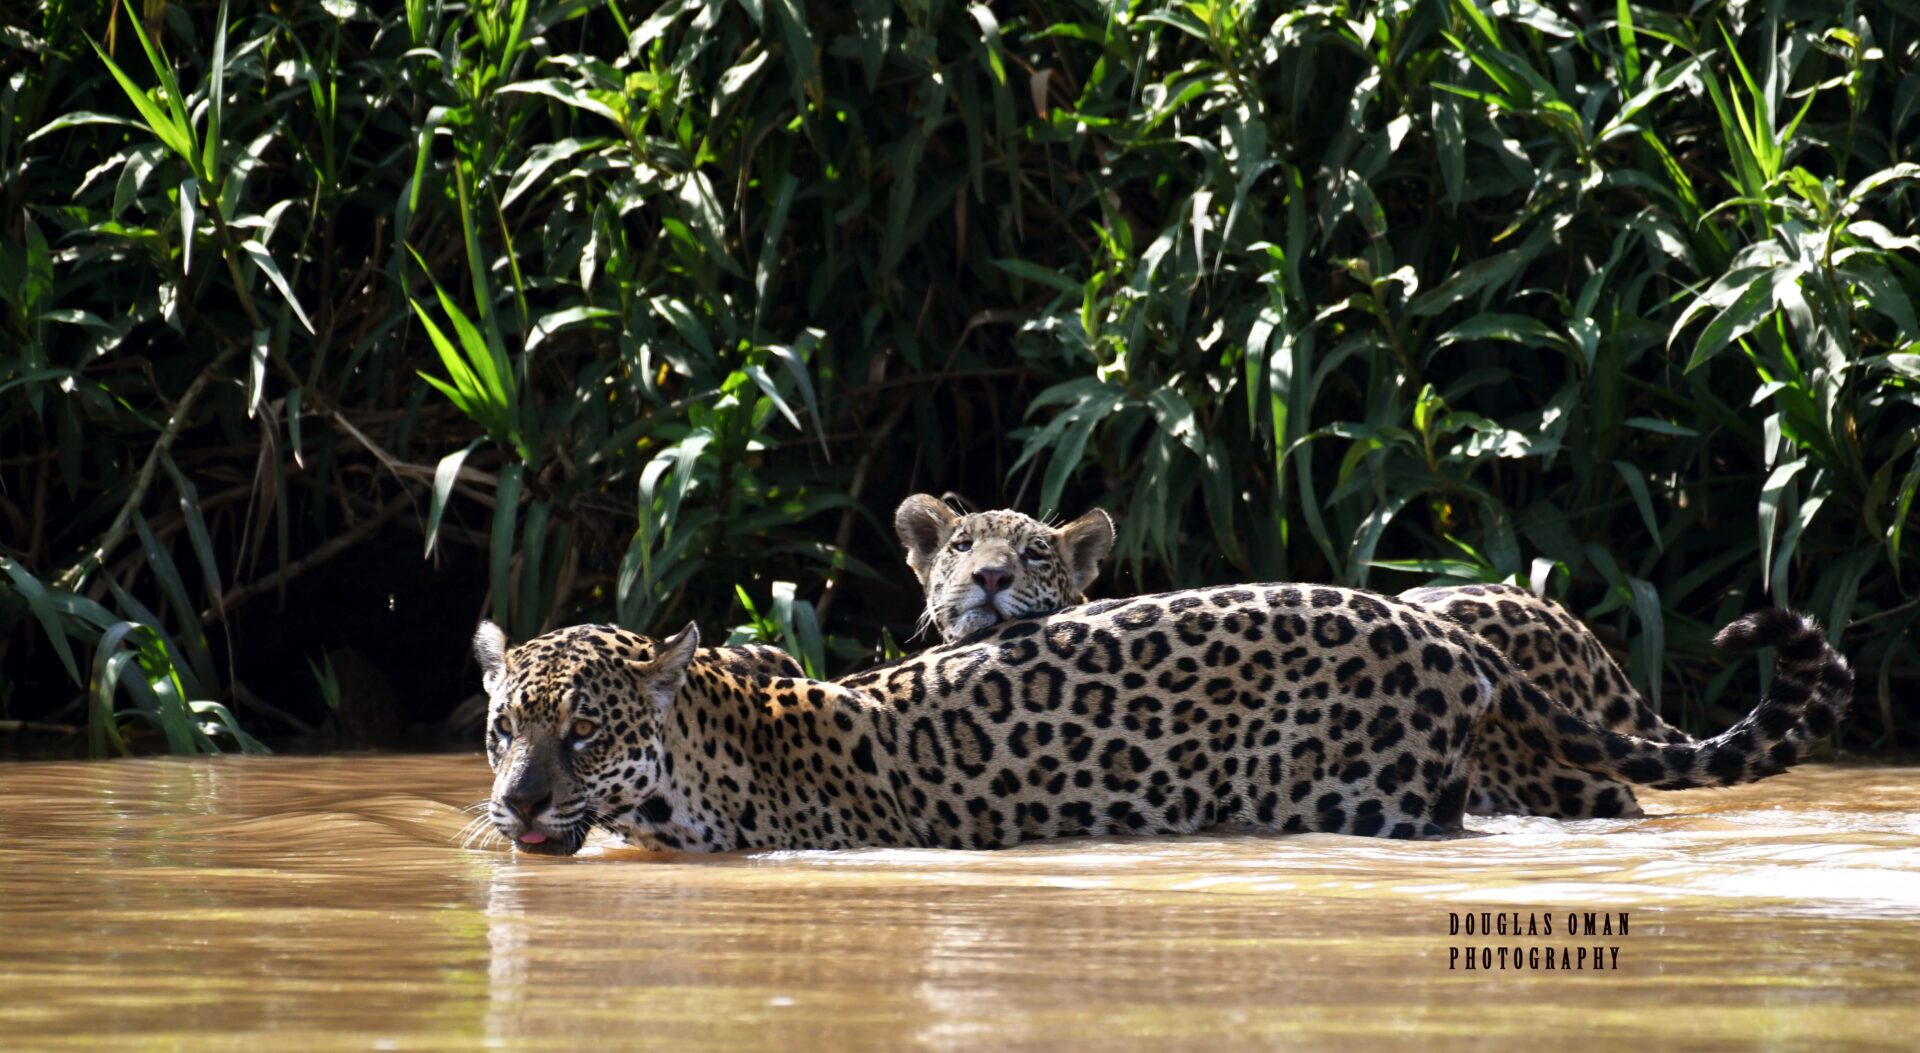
1811 689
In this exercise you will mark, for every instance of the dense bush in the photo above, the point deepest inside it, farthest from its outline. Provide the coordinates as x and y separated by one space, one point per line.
1616 299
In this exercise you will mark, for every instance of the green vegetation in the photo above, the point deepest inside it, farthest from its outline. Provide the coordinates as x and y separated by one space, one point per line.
1616 298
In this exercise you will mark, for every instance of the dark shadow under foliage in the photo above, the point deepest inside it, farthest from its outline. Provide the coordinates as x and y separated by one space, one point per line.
325 336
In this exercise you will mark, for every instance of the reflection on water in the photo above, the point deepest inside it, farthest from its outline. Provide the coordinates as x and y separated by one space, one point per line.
199 904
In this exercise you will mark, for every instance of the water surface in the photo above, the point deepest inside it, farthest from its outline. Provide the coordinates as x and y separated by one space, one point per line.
282 903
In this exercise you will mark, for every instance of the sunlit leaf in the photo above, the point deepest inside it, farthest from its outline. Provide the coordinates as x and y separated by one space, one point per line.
264 260
445 474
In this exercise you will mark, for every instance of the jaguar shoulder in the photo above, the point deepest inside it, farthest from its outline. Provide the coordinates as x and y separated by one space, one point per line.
1265 708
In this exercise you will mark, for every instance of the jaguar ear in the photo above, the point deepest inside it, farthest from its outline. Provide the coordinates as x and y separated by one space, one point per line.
667 670
1083 544
490 649
923 522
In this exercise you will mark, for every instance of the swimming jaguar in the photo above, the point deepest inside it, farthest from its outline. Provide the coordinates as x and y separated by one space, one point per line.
1259 707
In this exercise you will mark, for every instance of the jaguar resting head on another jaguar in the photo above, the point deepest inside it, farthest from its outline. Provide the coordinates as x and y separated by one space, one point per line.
982 568
1264 708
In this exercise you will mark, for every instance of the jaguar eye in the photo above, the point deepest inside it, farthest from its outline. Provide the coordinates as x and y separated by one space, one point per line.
1036 554
962 544
503 732
582 730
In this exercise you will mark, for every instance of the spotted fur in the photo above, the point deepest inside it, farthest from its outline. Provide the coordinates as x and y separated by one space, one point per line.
1563 656
1536 634
755 660
1262 707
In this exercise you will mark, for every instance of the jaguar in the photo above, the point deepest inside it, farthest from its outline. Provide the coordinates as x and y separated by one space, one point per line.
1269 708
979 568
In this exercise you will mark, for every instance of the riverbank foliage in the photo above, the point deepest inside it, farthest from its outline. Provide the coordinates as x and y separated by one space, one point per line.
651 313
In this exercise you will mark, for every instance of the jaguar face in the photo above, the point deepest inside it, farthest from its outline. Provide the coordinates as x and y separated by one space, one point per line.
983 568
574 720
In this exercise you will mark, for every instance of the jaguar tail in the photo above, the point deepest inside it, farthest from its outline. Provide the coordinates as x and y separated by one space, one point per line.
1811 690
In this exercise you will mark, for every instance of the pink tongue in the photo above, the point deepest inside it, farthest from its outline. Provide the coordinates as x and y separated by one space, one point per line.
533 837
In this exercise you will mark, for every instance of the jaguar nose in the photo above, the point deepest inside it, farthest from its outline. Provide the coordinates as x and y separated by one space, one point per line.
992 579
526 805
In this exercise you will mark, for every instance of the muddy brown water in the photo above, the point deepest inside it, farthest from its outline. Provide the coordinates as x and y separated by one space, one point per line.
281 903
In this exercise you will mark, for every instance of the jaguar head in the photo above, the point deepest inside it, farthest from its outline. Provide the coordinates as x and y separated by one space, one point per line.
574 726
983 568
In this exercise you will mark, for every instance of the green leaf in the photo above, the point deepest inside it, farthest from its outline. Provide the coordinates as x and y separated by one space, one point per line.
1481 276
1663 427
216 100
803 74
173 136
109 664
479 388
1217 487
1450 142
1033 272
189 194
257 350
1449 569
1629 47
1175 416
540 160
741 73
1804 512
1877 235
1770 499
110 669
1540 573
40 602
566 318
799 628
1885 295
444 476
700 209
1637 486
460 399
494 376
1902 508
1905 170
536 595
771 391
506 509
765 269
81 118
1081 420
174 588
1753 306
797 367
169 92
562 92
1512 328
264 260
1650 647
1372 527
197 532
226 720
172 654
